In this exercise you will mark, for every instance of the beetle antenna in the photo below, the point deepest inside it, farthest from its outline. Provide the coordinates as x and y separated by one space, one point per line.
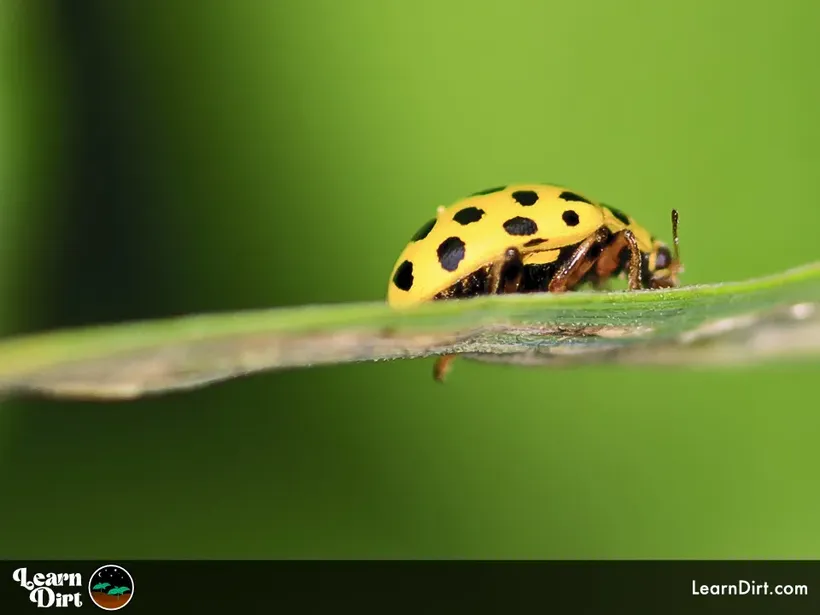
675 234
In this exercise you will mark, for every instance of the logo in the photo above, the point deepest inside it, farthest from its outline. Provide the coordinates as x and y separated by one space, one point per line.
51 589
111 587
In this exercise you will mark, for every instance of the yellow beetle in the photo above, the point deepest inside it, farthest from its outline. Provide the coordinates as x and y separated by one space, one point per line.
527 238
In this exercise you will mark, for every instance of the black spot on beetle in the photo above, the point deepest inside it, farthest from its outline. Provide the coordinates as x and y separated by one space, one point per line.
520 226
525 197
571 196
468 215
450 253
570 218
403 278
488 191
534 242
424 230
618 214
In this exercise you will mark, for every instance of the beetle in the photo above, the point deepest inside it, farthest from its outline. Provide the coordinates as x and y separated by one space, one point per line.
527 238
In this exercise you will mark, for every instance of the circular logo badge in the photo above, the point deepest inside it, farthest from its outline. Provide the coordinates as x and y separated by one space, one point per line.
111 587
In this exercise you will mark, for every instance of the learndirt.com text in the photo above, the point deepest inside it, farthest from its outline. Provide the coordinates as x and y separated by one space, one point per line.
748 588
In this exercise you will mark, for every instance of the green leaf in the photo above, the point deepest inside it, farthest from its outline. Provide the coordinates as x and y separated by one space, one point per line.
769 318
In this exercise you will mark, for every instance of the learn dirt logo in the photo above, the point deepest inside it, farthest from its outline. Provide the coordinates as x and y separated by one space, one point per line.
111 587
51 589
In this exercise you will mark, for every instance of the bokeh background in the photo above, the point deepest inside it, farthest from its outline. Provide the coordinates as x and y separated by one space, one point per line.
160 158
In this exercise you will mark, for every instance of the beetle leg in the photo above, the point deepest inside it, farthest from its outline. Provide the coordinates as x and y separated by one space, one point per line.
582 259
662 283
442 366
499 281
499 272
634 261
611 260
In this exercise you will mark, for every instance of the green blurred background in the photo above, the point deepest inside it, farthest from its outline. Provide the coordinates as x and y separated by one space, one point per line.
168 158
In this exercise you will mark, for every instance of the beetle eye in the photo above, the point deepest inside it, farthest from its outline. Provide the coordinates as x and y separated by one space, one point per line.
664 258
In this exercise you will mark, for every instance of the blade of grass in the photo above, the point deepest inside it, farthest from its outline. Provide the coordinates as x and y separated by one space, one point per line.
720 324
